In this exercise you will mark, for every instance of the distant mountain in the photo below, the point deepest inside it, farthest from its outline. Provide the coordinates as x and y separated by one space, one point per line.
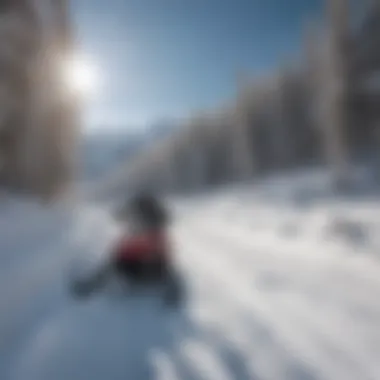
103 152
161 130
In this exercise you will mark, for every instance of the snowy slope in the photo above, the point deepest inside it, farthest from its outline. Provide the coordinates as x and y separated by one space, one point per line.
280 288
294 298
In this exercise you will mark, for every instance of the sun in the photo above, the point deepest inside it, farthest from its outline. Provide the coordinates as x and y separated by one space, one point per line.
81 76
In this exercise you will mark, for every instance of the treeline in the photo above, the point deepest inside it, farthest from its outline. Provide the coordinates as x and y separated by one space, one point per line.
38 118
318 110
270 126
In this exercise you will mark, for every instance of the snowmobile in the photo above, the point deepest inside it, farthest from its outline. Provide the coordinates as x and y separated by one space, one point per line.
141 258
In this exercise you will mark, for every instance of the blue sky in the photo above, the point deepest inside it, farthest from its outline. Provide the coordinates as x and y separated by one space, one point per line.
167 58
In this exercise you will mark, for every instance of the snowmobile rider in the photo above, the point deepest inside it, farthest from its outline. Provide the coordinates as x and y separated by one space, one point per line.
151 249
147 209
134 259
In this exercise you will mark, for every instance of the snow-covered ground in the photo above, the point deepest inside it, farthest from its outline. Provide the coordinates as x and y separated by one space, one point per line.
283 284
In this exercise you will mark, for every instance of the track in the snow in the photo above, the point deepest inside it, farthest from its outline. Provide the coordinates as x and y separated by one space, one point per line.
257 310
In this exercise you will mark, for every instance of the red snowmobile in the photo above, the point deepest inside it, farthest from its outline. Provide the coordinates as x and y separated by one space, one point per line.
142 256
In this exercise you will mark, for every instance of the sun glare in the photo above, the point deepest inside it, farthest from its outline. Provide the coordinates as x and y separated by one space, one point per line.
81 77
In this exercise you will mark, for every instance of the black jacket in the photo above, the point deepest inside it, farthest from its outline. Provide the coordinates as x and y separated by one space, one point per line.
149 211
